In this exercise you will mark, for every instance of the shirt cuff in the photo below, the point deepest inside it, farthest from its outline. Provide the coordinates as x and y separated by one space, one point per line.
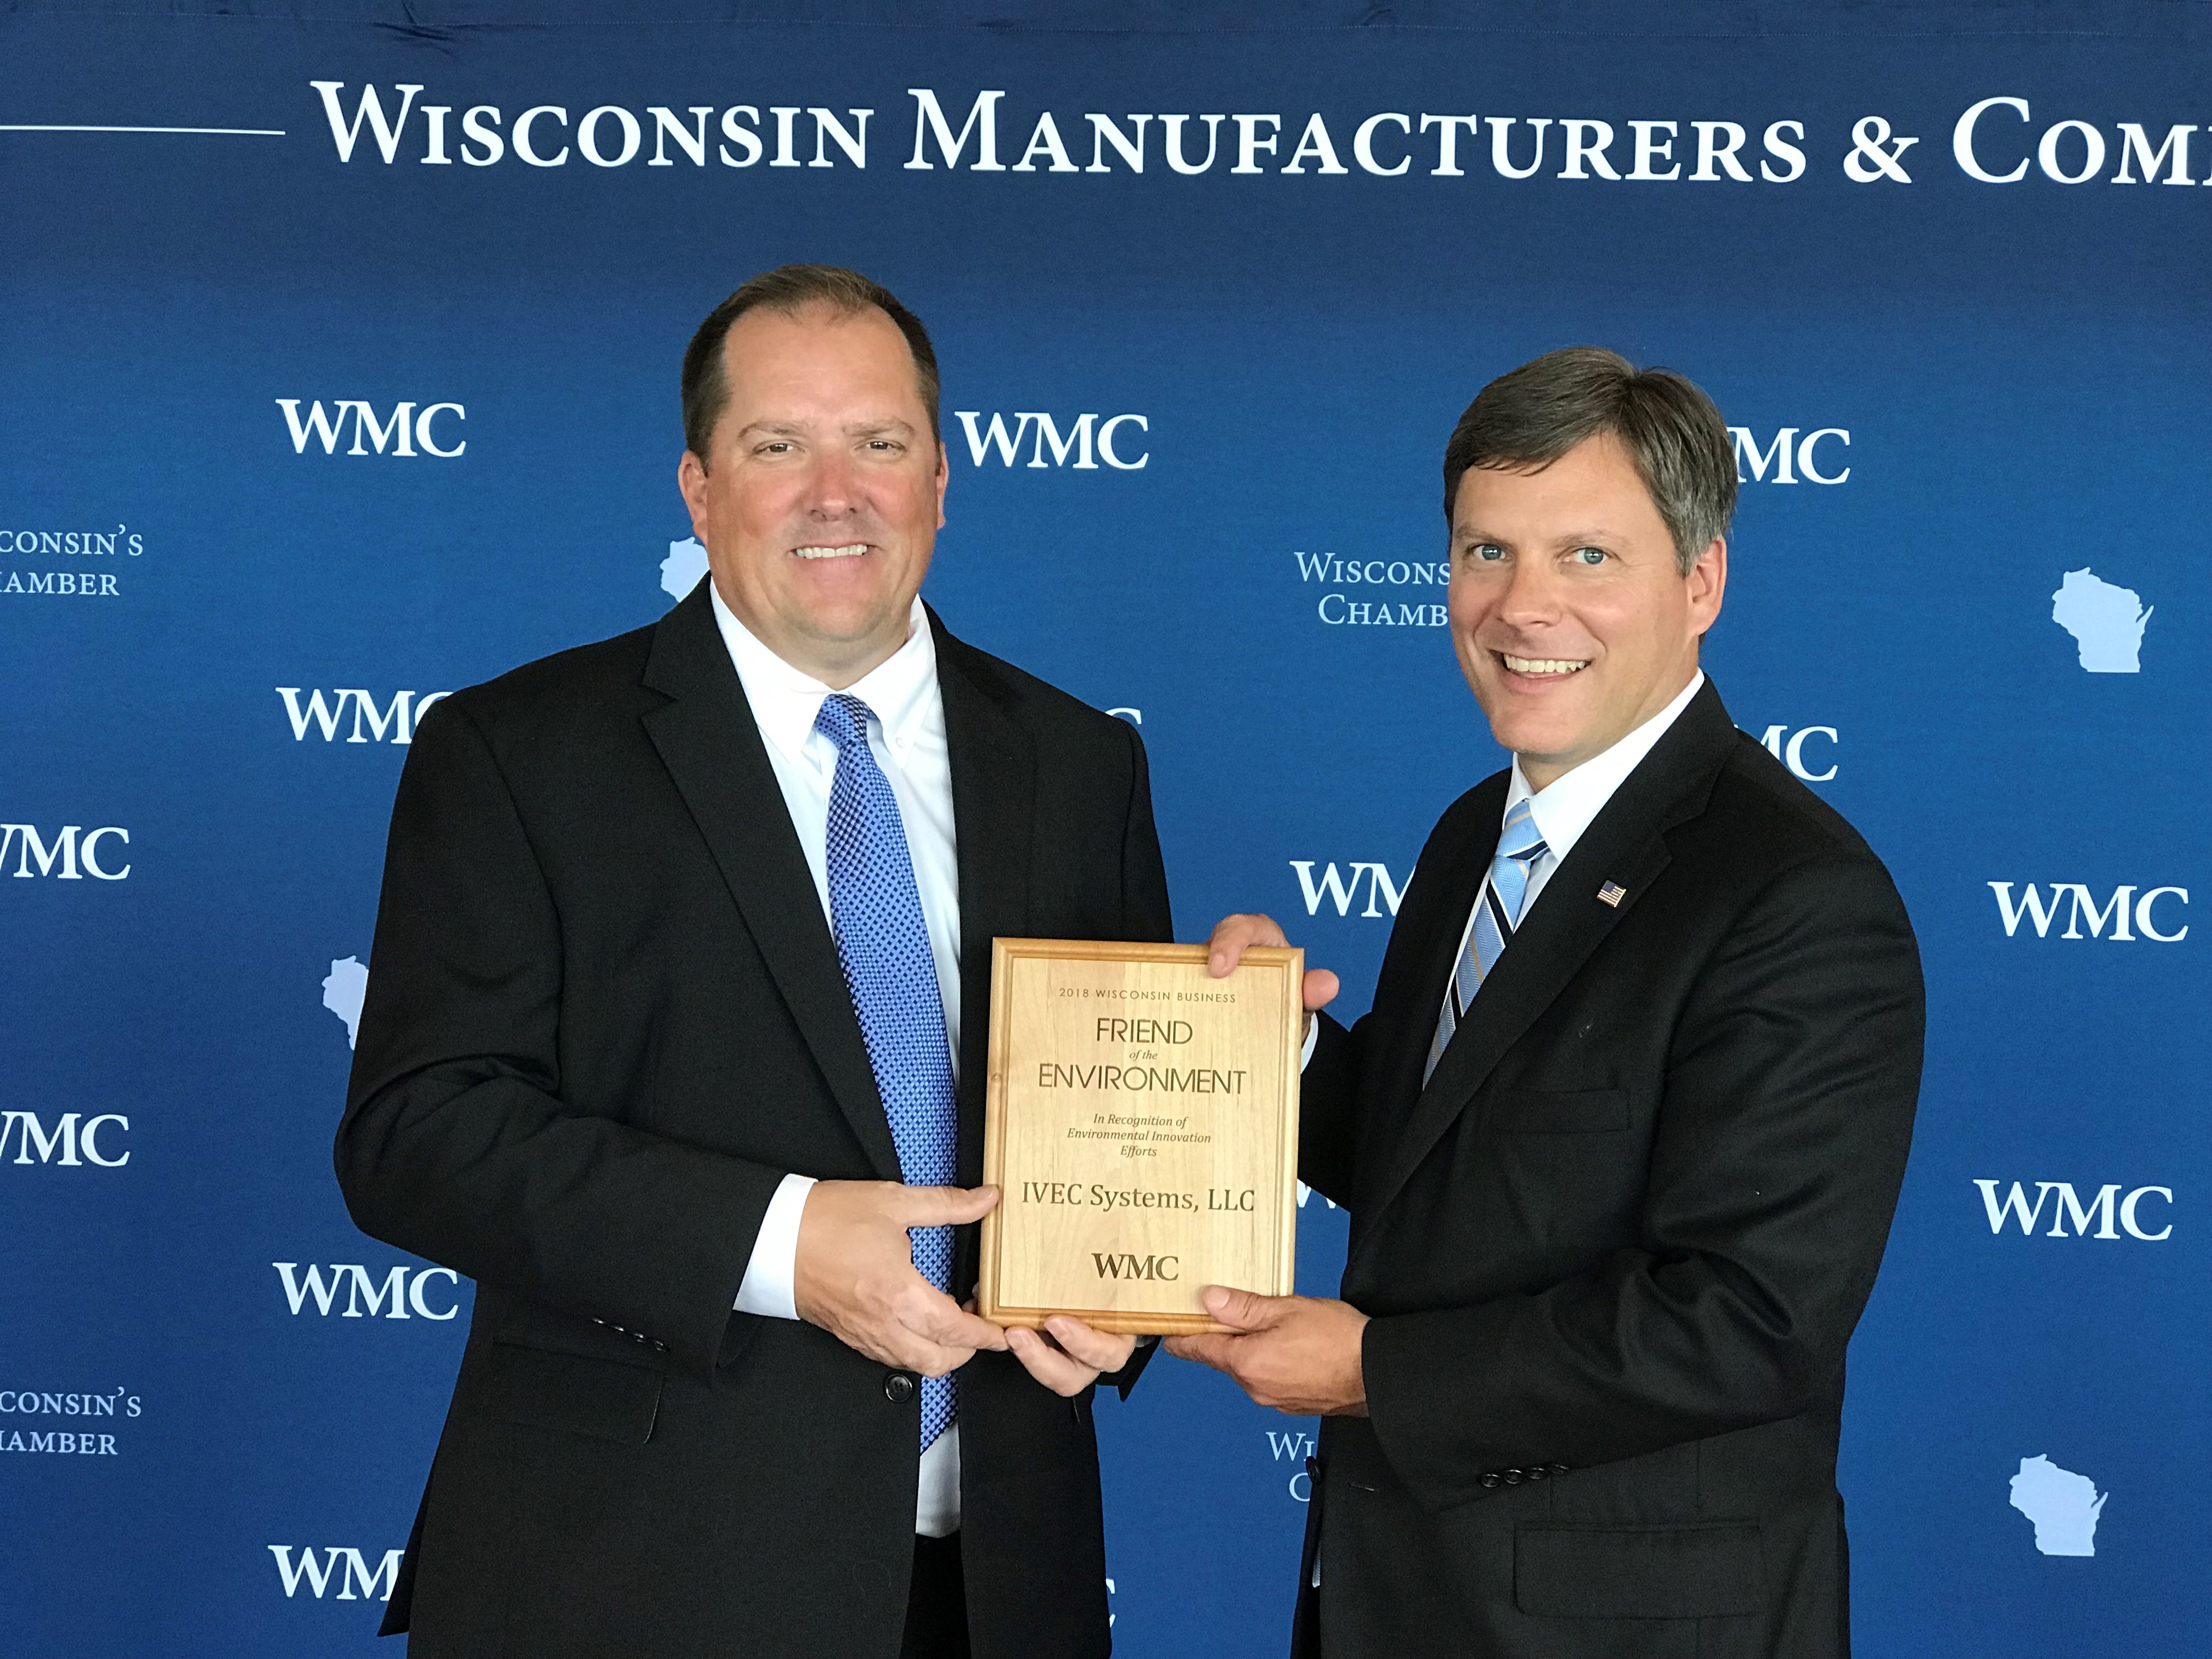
1313 1036
768 1287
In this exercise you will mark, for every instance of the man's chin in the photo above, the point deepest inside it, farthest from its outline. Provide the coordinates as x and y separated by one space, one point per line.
1552 744
845 629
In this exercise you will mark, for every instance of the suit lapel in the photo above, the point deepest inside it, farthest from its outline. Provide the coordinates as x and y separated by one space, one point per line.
993 789
1625 846
1434 951
711 744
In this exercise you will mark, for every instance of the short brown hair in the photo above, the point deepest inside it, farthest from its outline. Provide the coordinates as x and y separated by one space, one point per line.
791 289
1537 413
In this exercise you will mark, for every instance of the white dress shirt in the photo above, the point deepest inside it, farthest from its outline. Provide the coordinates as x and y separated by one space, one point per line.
907 737
1567 806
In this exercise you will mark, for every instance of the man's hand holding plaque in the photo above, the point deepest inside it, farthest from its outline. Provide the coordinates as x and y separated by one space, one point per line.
1298 1354
1142 1129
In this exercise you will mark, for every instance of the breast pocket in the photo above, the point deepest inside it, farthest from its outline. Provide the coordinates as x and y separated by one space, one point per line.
1556 1111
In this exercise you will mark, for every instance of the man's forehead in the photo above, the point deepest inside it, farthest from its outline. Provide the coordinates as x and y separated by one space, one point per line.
788 355
1585 484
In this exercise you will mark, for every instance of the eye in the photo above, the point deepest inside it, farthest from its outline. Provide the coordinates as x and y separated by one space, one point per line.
774 446
1591 555
884 446
1486 553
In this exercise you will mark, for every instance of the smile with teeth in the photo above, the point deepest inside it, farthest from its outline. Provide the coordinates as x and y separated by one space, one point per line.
1543 665
852 550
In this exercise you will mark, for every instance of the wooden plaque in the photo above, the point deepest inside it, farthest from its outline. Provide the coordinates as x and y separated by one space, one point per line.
1141 1125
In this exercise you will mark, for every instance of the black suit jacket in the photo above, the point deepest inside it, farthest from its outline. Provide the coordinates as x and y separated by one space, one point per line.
1614 1247
604 1017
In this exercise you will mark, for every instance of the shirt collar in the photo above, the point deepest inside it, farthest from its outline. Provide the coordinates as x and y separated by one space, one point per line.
786 701
1566 806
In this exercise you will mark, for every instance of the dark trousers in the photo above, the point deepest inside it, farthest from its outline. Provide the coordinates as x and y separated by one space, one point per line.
937 1603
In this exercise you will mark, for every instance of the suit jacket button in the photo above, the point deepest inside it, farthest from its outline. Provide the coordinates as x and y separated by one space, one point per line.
1491 1482
1560 1468
1537 1473
1512 1477
899 1387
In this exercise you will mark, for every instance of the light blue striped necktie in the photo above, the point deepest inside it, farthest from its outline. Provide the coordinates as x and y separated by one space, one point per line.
882 943
1496 913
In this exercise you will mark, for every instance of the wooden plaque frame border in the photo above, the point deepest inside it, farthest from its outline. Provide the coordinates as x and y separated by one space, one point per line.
1005 951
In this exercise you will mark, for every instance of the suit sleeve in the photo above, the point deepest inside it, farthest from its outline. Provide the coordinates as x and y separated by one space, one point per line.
1145 909
1328 1118
456 1143
1780 1146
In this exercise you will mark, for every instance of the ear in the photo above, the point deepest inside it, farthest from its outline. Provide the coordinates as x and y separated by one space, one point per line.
1707 582
943 478
691 484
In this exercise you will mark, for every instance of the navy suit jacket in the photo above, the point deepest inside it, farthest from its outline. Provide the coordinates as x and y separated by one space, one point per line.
605 1016
1614 1247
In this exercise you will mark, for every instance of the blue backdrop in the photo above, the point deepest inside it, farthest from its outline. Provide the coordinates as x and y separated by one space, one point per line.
340 362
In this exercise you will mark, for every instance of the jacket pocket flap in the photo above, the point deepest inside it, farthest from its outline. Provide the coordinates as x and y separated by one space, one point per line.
1557 1111
573 1392
1707 1571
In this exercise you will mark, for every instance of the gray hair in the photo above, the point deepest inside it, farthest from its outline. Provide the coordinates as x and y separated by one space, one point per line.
1672 433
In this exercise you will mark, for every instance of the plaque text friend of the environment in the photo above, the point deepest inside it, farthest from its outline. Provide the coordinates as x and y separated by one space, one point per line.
1142 1129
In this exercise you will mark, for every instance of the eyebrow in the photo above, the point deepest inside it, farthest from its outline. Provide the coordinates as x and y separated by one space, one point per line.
793 430
1580 538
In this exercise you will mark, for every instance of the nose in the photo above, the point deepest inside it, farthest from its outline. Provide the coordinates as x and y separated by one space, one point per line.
832 485
1531 595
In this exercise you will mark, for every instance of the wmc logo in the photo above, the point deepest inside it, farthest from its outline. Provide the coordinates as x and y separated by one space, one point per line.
1044 436
1343 890
355 1281
2074 900
78 1140
1789 747
2092 1220
1784 448
398 714
65 858
408 431
347 1568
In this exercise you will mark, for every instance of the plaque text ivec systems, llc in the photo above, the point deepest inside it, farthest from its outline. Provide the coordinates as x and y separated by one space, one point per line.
1142 1128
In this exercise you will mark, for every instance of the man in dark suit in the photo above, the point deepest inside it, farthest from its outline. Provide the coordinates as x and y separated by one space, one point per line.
1622 1135
676 1027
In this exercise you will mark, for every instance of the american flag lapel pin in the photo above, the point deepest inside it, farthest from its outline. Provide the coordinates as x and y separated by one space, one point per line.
1612 893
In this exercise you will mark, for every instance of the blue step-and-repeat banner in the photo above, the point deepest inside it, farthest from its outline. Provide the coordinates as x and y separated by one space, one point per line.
339 357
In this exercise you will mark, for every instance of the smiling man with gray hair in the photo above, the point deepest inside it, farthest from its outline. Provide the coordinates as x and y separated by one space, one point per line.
1623 1133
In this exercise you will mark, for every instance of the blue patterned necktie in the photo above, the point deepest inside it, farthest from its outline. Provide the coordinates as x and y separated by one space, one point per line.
882 942
1496 913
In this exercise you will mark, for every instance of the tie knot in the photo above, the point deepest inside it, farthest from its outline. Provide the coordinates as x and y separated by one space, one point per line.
843 721
1521 839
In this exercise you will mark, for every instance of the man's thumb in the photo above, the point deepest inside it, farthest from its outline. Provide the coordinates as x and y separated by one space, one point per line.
944 1206
1241 1310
